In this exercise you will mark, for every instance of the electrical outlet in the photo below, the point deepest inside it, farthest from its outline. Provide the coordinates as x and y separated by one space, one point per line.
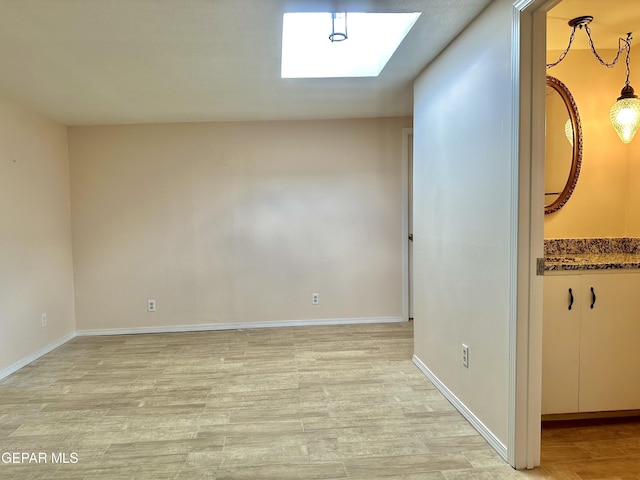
315 299
43 319
465 355
151 305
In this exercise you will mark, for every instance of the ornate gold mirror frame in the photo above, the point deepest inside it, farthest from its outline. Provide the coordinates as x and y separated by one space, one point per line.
574 138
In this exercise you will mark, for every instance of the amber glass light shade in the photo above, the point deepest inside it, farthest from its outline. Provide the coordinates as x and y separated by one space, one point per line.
625 114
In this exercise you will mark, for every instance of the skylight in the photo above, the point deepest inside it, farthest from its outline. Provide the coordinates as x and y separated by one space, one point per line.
307 51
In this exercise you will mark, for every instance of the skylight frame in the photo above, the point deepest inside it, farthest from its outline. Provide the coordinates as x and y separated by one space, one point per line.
307 51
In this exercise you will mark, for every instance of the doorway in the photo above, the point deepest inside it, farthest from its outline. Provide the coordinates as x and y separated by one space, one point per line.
407 224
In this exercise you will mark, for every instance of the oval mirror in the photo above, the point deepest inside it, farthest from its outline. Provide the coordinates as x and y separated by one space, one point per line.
563 152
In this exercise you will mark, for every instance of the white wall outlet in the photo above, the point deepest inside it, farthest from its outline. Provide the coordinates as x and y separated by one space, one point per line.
465 355
43 319
151 305
315 299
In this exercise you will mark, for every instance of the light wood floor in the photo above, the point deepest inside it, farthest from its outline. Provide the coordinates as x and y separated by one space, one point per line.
596 449
341 402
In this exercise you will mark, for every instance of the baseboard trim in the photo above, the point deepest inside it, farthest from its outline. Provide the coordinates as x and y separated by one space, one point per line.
34 356
236 326
482 429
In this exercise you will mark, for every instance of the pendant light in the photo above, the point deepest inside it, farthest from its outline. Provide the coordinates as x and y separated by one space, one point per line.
338 27
625 113
568 131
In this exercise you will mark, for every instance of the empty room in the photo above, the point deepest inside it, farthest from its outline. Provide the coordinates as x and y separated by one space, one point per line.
276 239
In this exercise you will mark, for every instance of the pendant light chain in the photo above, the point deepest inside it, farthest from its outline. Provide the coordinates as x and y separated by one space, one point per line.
625 112
566 50
628 48
623 45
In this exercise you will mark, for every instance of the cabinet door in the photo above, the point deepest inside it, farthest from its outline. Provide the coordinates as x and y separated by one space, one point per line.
561 344
610 335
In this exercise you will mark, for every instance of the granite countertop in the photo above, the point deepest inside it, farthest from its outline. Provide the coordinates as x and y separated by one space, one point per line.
591 261
591 254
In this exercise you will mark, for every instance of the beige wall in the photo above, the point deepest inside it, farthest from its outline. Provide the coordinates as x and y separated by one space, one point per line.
633 188
35 234
606 199
463 214
236 222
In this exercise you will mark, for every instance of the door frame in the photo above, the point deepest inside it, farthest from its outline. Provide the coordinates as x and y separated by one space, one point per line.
527 230
407 136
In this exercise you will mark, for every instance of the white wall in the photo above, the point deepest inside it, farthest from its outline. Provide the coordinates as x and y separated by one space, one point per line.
236 222
36 274
462 216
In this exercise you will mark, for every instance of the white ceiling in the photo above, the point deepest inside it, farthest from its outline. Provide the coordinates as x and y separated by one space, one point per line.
145 61
612 19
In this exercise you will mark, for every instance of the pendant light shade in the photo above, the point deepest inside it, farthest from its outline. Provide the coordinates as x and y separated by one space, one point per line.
625 114
568 131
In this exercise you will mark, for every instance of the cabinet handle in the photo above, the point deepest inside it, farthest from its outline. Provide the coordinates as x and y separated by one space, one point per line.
593 297
570 299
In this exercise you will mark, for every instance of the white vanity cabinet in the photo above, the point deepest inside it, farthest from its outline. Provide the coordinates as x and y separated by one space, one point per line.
561 344
591 352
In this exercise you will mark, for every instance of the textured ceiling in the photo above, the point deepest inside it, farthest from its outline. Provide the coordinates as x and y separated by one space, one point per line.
612 19
141 61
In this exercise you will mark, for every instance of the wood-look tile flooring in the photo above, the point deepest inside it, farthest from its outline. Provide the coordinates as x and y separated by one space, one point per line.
339 402
594 449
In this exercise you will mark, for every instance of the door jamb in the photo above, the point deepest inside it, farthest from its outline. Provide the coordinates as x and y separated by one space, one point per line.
406 135
525 330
